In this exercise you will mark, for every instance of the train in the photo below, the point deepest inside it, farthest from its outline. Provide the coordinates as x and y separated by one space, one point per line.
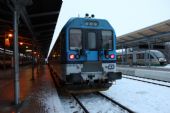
144 57
7 59
83 59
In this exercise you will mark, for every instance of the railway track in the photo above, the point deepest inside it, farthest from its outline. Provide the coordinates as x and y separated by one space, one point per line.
120 108
81 107
148 80
115 102
80 104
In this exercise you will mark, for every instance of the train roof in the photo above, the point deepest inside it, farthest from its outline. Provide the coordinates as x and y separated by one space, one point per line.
141 51
78 22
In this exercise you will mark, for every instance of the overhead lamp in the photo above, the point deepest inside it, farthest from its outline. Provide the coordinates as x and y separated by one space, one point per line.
10 35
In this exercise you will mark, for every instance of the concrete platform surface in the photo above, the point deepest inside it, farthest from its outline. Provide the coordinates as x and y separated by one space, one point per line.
36 96
157 74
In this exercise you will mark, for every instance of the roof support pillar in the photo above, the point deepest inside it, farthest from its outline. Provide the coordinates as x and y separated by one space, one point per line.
126 55
122 54
149 53
16 54
33 60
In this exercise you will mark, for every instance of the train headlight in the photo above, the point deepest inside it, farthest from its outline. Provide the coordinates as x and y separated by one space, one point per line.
112 56
107 56
72 56
162 59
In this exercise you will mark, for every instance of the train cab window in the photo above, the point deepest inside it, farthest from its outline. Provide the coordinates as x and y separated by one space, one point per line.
151 57
107 42
158 54
91 40
75 39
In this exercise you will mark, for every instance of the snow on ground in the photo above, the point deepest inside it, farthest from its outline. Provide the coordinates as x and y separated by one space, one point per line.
148 80
167 66
141 97
97 104
69 105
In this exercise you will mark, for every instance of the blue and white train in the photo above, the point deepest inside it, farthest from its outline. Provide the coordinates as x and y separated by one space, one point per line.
84 56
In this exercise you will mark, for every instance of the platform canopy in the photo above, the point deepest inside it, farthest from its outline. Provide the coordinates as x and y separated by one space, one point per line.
37 22
155 34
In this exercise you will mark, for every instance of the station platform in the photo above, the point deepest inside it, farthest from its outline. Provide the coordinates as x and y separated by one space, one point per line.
158 68
36 96
156 73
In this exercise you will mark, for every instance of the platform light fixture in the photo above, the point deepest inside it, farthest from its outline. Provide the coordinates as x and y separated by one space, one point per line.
10 35
21 43
35 52
28 50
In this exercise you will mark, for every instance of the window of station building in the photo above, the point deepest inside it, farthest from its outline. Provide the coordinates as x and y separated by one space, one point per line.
75 39
107 40
91 40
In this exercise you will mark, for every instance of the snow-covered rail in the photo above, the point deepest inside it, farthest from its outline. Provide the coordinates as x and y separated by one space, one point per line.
115 102
148 80
99 103
80 104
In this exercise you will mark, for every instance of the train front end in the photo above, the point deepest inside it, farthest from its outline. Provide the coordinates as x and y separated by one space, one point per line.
90 55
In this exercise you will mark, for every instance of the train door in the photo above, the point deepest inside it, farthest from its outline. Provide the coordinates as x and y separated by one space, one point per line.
91 45
149 58
153 60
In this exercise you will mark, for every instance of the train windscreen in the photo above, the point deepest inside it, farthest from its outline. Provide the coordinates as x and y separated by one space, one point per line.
92 39
75 39
107 42
159 54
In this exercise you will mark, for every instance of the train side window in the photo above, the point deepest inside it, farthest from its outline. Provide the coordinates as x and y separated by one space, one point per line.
137 56
107 42
142 56
75 39
130 56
